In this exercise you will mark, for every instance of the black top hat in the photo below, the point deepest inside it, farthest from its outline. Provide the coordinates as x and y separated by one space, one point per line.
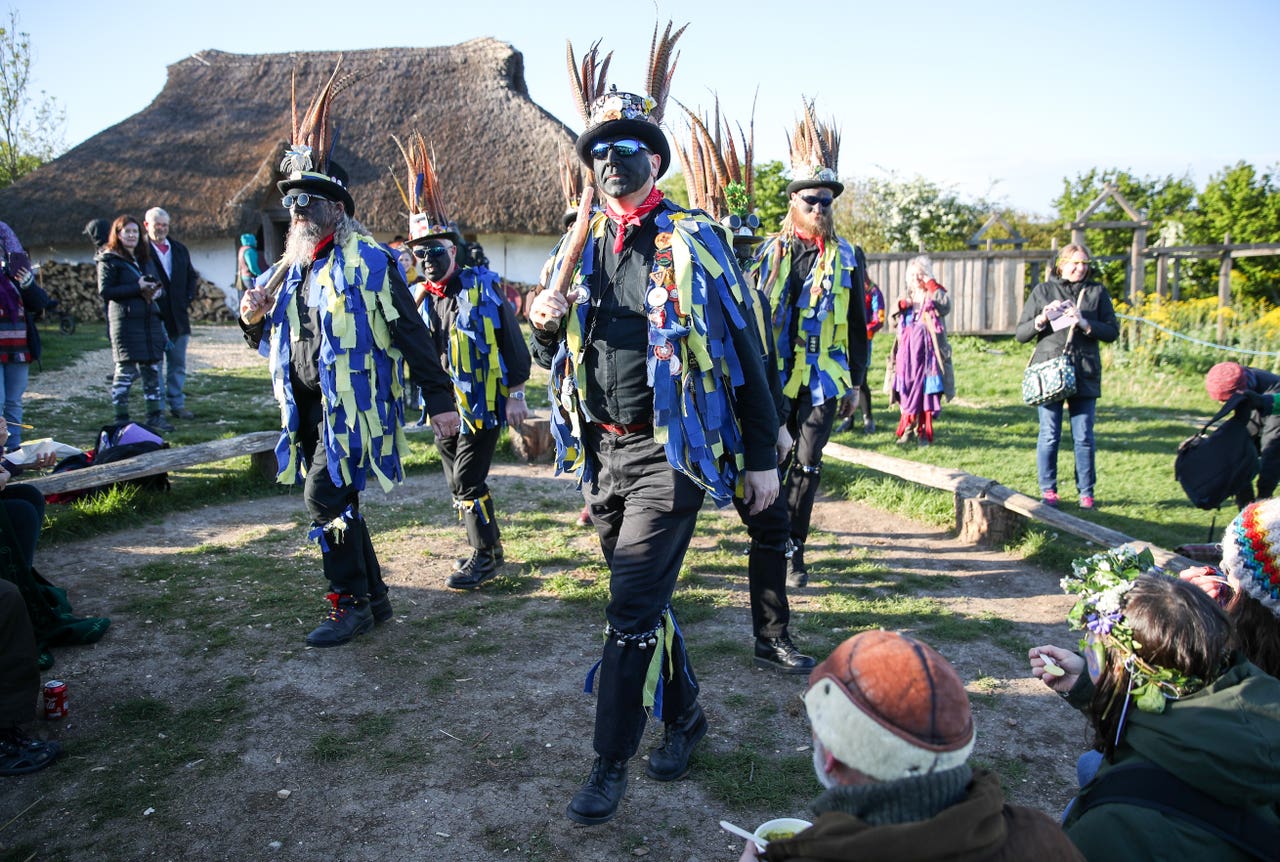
815 154
620 115
331 182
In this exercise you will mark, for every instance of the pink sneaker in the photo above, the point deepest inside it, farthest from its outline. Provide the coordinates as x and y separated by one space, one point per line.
1049 498
1086 502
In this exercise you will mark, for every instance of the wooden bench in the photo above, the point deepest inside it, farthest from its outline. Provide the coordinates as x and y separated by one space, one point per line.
988 513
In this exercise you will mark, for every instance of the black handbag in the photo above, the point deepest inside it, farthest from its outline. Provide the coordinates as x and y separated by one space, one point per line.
1211 467
1051 379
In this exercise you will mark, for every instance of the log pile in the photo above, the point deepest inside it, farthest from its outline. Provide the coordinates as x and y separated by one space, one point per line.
75 286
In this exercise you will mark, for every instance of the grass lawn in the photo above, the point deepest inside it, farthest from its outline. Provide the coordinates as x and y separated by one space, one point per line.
1142 416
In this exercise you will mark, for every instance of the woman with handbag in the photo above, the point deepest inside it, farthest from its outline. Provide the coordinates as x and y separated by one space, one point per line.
1069 315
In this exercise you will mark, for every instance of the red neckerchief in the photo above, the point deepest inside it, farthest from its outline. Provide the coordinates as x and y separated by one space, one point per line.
622 220
436 290
822 245
162 247
320 247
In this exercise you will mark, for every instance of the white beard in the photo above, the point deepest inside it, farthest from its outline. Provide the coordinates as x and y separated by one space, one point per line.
300 244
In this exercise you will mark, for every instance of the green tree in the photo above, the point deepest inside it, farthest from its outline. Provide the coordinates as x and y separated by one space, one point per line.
31 129
1245 205
770 192
674 187
1169 203
891 214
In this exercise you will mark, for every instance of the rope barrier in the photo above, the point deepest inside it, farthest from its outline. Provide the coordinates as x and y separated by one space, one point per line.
1198 341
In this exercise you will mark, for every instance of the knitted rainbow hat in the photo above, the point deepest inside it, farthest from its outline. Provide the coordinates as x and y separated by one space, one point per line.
1249 550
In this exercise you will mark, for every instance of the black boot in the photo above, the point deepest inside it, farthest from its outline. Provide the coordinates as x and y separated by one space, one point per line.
797 574
159 423
350 617
380 607
497 556
780 654
480 567
670 761
598 799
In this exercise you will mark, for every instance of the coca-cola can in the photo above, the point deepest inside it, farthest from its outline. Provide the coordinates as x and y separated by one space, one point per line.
55 700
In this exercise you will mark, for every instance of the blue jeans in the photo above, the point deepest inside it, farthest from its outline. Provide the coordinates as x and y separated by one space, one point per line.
175 371
14 383
1081 411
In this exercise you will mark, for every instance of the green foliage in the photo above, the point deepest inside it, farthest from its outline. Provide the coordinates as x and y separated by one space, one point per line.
892 214
770 192
1245 205
675 188
31 130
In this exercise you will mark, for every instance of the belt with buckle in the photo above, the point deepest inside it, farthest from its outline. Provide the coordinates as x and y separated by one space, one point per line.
620 430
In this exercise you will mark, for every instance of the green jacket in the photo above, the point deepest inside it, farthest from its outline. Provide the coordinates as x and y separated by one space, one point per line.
1223 740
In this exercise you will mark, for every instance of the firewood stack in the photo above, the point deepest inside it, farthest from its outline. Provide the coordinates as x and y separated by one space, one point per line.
75 286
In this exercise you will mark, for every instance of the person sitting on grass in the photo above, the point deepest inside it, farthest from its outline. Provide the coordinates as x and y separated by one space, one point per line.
19 688
1185 727
892 735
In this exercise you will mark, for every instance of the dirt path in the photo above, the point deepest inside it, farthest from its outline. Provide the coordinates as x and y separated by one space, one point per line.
459 730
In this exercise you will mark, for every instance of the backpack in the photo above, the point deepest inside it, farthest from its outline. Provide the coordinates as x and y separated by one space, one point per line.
115 443
1210 467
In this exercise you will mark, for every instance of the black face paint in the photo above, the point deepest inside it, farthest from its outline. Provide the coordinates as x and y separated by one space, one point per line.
437 265
620 176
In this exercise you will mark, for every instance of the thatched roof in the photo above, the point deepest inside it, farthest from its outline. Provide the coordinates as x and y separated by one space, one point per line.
209 146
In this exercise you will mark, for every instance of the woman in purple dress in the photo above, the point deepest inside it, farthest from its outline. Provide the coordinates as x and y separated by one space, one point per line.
920 362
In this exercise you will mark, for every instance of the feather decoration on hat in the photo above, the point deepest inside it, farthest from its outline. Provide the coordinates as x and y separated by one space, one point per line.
573 177
718 180
814 145
425 193
312 137
588 82
662 65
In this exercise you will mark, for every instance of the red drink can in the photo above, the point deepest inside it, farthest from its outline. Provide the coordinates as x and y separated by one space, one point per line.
55 700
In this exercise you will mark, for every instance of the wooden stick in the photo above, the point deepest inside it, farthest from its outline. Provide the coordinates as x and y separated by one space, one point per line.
577 242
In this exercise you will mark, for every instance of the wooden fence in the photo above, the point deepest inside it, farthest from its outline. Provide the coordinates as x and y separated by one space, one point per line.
987 287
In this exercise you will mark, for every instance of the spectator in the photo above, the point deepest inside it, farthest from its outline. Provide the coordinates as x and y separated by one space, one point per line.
19 688
248 263
1260 390
892 735
920 361
133 317
179 281
1185 727
1244 587
1072 298
99 231
15 346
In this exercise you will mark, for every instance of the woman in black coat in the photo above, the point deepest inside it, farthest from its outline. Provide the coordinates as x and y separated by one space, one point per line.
1069 297
137 329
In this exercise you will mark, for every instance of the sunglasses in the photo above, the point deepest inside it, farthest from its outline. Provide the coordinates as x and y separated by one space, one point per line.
816 201
625 148
302 200
736 222
422 252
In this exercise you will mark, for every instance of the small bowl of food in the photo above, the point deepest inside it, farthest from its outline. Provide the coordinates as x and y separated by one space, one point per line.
781 828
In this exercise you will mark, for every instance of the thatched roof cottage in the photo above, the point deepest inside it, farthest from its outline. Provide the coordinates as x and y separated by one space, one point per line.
208 150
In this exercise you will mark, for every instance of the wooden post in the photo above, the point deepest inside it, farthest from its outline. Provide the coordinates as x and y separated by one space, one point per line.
1137 266
1162 275
1177 279
1224 288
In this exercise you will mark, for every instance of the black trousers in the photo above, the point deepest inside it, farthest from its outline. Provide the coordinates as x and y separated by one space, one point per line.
466 459
350 564
19 672
767 567
810 427
644 512
25 507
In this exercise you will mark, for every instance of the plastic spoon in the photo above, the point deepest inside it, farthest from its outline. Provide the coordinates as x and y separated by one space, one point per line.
742 833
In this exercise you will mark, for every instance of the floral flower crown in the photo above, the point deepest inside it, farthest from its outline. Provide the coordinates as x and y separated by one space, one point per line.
1101 582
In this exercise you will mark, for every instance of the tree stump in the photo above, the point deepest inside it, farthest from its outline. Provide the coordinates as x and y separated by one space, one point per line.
984 523
531 440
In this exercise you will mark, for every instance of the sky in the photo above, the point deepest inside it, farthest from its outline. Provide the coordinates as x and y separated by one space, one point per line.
1002 103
